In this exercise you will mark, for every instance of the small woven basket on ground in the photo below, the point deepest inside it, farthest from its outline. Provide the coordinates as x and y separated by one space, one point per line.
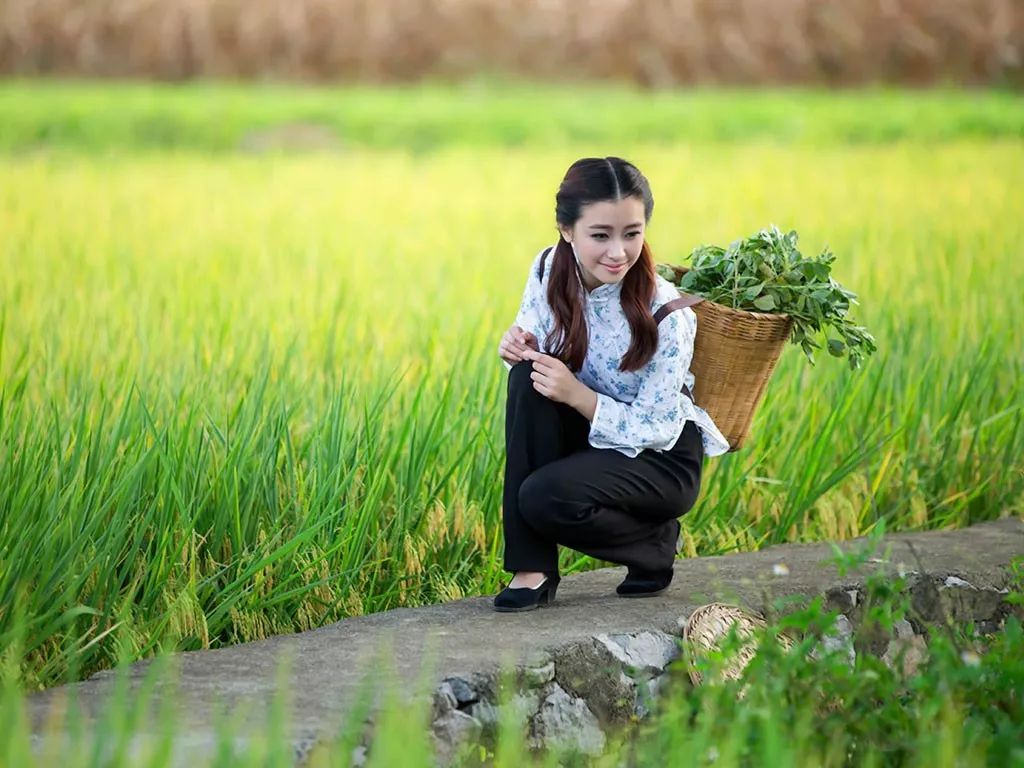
709 624
734 355
706 628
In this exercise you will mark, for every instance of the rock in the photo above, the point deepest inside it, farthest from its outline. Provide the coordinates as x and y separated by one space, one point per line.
485 713
589 670
303 745
841 599
647 692
463 692
912 649
956 581
839 638
535 677
444 699
565 722
451 730
520 707
967 602
645 653
933 599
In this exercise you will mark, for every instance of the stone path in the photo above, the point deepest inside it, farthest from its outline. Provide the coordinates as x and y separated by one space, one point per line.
466 642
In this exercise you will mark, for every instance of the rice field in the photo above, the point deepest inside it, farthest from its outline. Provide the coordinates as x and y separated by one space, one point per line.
249 394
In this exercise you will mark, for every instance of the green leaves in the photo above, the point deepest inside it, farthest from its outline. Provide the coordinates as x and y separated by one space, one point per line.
767 273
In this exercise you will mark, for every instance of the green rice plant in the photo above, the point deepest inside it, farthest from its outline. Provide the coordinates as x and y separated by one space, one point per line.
112 117
240 397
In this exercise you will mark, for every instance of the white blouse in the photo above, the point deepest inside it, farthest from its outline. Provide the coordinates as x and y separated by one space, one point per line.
635 409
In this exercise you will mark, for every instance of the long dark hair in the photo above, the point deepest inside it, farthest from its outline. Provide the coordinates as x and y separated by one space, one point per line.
590 180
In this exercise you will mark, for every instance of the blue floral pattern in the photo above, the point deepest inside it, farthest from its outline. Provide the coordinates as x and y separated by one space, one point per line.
636 410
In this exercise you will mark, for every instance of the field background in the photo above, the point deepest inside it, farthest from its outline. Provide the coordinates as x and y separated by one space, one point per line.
251 388
662 44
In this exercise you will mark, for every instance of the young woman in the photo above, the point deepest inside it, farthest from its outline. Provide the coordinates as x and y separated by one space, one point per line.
604 445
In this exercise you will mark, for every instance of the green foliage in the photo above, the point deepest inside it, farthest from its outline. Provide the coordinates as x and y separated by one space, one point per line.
211 431
217 117
813 705
767 273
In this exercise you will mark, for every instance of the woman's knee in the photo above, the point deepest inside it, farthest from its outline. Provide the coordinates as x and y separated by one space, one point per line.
547 501
689 500
520 386
519 375
683 497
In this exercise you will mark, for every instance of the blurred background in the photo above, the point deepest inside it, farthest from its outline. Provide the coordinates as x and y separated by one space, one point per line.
653 44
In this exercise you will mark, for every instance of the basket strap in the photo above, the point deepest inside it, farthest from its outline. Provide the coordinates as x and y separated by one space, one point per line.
685 300
540 269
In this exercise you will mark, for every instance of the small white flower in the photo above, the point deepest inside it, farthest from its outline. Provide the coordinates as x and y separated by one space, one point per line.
970 658
780 569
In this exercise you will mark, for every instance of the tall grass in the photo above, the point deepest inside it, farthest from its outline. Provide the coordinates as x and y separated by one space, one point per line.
259 395
485 112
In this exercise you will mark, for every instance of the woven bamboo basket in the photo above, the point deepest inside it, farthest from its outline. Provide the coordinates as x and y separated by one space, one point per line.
709 624
734 355
706 628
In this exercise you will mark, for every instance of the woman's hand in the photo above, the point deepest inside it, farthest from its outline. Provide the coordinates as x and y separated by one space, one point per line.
514 343
553 379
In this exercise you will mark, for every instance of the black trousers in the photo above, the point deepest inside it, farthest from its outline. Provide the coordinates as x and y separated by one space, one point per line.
560 490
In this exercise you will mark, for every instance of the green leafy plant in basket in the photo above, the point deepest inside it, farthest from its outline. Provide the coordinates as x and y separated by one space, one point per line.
767 273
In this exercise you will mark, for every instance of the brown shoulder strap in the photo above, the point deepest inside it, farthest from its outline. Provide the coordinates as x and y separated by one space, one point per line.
540 269
685 300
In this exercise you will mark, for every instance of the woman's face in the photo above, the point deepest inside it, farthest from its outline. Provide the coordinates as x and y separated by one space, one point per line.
607 235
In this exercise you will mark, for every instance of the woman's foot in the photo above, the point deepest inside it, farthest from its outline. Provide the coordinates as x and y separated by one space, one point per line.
642 583
531 579
525 598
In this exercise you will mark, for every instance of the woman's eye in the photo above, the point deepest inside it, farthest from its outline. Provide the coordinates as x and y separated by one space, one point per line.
599 235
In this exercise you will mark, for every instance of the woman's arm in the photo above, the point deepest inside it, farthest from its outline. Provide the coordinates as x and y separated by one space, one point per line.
585 402
534 314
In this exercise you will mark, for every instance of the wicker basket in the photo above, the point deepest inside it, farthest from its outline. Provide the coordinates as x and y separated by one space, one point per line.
734 355
709 624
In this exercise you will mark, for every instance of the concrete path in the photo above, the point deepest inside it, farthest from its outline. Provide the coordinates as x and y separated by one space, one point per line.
465 637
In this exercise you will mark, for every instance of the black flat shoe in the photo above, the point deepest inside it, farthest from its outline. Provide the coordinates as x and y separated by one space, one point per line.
640 583
527 598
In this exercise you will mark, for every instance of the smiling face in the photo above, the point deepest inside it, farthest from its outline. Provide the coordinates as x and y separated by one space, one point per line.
607 238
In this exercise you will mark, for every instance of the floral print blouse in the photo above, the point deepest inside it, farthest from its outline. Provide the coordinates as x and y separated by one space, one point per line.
636 410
